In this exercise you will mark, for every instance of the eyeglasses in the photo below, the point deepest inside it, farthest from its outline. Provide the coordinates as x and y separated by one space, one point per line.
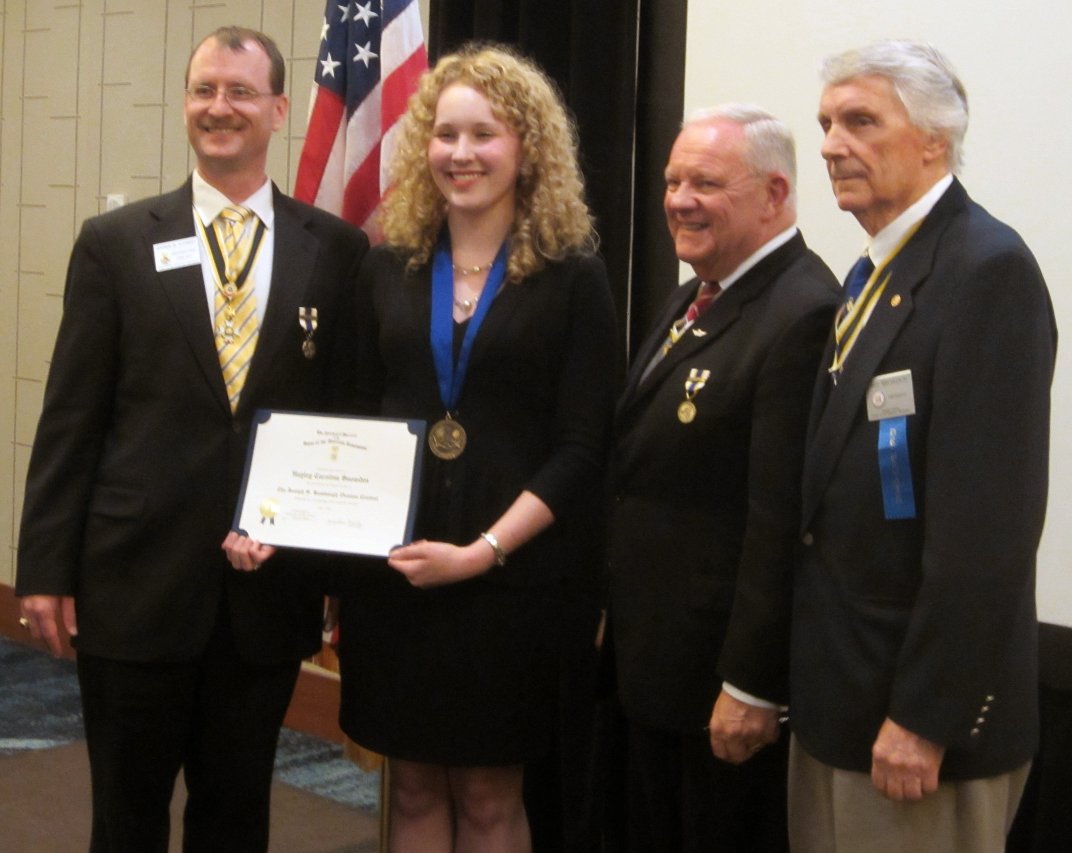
206 93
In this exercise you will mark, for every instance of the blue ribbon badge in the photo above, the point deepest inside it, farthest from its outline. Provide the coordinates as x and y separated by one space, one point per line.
893 464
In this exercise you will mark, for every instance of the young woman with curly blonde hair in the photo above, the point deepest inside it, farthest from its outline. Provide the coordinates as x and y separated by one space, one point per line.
488 315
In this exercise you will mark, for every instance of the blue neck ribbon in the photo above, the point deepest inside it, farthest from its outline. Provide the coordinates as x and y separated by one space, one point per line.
451 376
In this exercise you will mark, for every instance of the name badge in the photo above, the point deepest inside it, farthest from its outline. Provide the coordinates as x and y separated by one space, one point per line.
176 254
890 396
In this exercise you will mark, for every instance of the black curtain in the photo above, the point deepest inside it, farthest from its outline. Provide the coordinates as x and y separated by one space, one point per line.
659 105
620 66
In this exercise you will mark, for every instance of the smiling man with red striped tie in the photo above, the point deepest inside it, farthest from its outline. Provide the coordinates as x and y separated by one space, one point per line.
708 444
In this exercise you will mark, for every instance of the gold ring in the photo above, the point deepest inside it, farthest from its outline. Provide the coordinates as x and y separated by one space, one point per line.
24 622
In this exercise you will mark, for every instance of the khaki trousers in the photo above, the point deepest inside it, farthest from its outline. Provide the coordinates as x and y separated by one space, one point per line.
839 811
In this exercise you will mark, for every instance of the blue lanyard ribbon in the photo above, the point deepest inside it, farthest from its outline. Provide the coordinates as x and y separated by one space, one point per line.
451 376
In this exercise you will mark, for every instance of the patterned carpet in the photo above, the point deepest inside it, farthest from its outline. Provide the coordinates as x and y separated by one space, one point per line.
39 709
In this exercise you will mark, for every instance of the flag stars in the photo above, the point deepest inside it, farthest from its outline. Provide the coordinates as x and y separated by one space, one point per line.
324 30
364 53
328 66
364 14
345 10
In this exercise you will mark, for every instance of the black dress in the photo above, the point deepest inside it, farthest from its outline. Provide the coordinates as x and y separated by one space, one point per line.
466 674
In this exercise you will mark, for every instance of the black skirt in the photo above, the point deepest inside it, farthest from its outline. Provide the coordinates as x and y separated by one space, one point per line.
461 675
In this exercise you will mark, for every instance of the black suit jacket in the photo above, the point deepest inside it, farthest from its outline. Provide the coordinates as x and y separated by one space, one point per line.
704 515
136 466
931 620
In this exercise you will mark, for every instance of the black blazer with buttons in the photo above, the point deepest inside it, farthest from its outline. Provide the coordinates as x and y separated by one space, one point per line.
704 515
137 462
931 621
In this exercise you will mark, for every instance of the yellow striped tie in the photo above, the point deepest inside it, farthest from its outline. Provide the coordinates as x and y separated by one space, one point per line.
235 309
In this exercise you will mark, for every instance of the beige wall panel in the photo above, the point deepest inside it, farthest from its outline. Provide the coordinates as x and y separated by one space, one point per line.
175 164
51 65
210 14
301 47
47 146
40 308
11 53
46 236
133 53
129 144
302 69
29 395
131 118
88 130
277 162
10 180
20 462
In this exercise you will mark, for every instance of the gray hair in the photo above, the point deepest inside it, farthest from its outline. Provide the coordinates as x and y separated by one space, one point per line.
924 80
768 141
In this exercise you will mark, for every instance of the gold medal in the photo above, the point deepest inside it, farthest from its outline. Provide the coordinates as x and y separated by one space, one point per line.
308 348
446 438
686 411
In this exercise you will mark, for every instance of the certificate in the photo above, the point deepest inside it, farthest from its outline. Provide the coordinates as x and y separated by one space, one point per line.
331 483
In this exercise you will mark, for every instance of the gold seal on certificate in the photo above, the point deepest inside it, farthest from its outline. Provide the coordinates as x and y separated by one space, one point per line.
446 439
686 412
269 508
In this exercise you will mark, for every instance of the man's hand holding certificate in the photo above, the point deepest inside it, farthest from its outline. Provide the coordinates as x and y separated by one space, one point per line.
331 483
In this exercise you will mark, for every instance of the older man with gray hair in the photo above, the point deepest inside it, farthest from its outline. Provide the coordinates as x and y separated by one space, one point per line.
708 447
913 666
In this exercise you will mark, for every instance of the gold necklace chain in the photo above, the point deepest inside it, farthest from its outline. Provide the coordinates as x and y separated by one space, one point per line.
479 268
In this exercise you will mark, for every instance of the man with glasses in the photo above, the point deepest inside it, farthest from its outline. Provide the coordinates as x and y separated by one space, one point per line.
184 314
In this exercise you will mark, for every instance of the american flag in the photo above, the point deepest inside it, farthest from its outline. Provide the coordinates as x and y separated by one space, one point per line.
371 55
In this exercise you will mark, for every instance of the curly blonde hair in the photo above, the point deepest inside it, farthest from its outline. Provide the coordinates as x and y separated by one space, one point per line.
551 218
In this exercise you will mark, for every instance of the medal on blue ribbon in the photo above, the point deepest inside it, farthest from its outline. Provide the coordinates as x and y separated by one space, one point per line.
686 412
895 470
447 437
307 319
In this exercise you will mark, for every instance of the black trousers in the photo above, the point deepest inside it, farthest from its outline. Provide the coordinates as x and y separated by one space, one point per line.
217 718
684 800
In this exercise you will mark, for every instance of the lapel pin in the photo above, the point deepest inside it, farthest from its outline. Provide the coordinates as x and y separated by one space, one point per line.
895 300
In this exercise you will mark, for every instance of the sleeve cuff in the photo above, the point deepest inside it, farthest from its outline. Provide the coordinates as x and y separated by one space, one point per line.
749 699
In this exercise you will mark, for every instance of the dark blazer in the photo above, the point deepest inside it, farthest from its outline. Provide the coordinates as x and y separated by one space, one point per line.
136 466
931 620
536 403
704 515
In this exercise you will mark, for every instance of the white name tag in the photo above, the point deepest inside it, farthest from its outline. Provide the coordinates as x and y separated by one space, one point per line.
890 396
176 254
